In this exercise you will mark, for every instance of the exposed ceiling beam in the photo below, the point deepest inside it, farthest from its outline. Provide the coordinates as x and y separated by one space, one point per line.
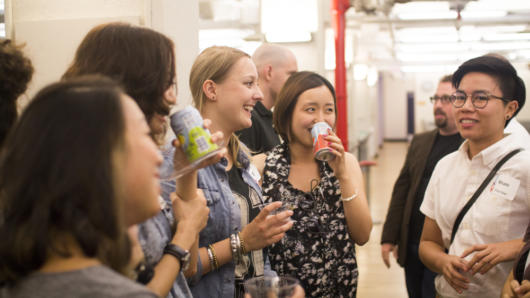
355 22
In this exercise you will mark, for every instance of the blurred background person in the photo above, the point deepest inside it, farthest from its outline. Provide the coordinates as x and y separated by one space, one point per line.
16 71
328 199
404 221
59 224
488 94
143 62
274 64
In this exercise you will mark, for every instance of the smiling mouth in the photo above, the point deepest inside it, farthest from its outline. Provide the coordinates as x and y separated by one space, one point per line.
468 121
248 108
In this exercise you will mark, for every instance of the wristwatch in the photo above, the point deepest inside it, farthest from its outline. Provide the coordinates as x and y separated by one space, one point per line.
181 254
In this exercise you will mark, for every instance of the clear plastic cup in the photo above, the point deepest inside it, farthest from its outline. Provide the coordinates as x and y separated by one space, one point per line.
271 286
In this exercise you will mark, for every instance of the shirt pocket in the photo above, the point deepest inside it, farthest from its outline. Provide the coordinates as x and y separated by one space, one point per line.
491 215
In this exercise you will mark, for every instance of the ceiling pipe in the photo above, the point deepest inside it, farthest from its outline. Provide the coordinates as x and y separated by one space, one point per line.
338 10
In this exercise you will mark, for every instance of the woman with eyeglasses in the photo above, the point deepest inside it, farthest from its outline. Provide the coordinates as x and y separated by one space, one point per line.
330 210
474 256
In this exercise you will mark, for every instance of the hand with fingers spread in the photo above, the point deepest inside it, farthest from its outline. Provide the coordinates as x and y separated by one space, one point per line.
452 269
386 249
266 229
488 255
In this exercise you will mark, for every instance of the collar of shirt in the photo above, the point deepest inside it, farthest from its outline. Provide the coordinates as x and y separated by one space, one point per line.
492 154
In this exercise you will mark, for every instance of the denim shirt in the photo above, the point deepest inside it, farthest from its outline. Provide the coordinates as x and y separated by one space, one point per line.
224 219
155 233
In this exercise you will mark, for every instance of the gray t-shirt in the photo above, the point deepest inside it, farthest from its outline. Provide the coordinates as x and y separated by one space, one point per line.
96 281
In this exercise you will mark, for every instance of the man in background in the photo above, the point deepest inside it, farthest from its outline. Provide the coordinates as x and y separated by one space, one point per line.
274 64
404 222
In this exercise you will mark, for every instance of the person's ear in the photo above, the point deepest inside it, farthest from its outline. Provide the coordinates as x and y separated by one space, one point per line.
267 72
511 108
210 89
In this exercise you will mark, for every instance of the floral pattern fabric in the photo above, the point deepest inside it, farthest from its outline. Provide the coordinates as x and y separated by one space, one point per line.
318 249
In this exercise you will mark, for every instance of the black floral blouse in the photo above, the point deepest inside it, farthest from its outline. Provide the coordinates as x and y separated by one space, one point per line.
318 249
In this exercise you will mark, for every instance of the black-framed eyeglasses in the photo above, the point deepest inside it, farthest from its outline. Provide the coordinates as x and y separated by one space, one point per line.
479 99
444 99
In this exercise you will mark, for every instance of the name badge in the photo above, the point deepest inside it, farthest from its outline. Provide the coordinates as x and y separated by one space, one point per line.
504 186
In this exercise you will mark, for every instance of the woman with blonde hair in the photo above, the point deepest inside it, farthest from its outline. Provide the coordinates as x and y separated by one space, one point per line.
223 83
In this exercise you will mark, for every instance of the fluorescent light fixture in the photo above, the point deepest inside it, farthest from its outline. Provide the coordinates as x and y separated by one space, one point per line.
429 68
470 14
433 34
510 5
360 71
432 47
507 37
500 46
431 15
288 36
494 29
426 6
372 77
299 17
436 58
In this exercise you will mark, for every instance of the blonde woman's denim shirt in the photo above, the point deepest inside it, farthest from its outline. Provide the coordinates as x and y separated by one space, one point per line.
224 219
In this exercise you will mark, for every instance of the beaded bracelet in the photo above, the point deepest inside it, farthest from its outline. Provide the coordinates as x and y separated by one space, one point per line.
349 198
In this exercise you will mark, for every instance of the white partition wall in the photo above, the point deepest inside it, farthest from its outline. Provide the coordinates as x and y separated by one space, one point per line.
52 30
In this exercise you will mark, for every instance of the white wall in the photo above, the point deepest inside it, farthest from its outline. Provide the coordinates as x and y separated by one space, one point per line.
52 30
395 106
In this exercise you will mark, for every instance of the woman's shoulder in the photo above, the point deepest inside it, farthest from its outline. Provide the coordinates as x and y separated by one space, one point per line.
97 281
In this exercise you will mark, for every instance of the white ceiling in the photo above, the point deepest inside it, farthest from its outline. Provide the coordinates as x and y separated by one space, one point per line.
401 33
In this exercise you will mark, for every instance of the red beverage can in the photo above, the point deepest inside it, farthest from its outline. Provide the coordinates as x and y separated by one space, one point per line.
321 150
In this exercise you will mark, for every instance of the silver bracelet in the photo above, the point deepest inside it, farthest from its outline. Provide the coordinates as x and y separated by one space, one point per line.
210 257
235 246
349 198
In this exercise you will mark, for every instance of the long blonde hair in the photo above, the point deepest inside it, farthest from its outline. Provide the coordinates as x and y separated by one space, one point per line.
214 63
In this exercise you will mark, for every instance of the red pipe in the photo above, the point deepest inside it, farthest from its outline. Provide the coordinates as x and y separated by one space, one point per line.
338 9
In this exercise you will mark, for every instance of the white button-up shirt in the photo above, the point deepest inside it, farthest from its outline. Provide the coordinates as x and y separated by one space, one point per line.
501 213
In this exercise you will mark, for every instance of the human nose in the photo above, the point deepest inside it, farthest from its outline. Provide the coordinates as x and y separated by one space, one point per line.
258 95
468 103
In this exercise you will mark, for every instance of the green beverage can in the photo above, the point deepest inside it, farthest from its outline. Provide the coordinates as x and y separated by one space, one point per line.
193 137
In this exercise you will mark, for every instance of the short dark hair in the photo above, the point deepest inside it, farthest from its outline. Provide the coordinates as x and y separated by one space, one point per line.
297 84
57 177
140 59
16 71
511 85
